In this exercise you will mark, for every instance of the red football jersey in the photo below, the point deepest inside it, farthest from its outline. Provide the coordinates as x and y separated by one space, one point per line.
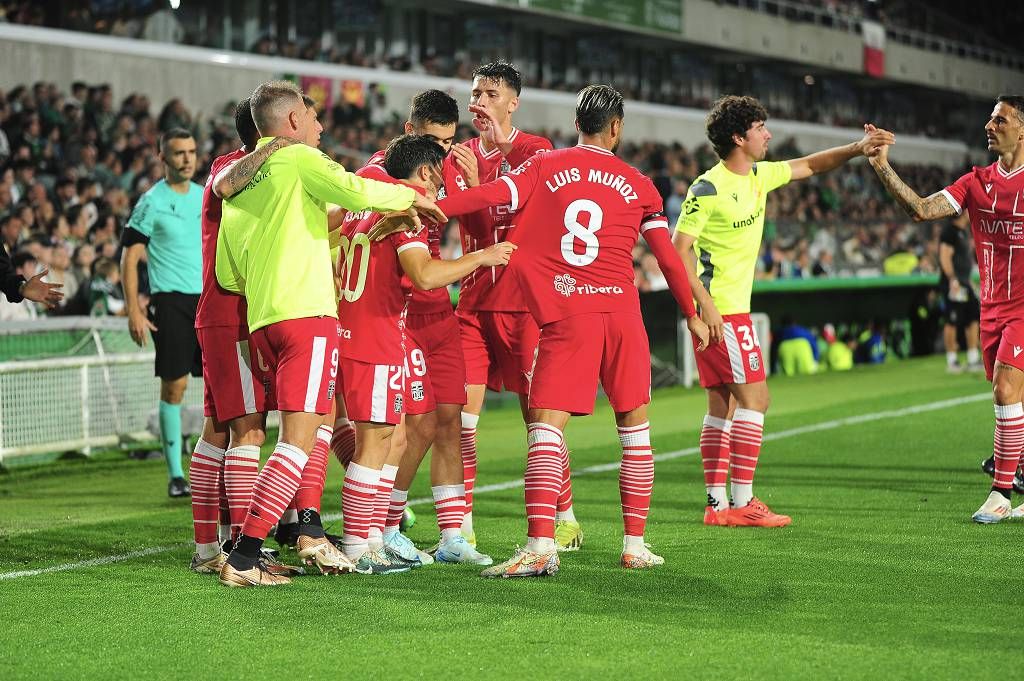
995 200
372 306
580 212
485 289
217 307
438 300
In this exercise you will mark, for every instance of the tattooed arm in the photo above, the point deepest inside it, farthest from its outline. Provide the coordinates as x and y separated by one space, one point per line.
236 176
934 207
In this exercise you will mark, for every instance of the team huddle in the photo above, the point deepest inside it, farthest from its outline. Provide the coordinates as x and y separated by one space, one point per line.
324 298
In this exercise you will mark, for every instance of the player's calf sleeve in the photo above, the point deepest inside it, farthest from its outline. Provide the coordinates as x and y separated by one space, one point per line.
543 478
205 471
1007 444
563 508
467 442
170 437
311 488
636 477
343 441
714 455
275 486
241 466
358 498
396 509
381 504
745 442
450 504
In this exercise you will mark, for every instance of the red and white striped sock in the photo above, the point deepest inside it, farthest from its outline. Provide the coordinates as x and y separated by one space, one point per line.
204 472
311 489
385 484
450 504
543 484
745 443
714 454
396 509
241 466
563 507
1008 442
358 499
636 477
275 487
467 442
343 441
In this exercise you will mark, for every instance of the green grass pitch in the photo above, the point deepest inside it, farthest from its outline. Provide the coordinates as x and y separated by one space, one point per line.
881 575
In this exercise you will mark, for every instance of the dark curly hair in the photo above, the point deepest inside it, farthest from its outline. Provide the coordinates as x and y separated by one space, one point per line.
732 115
501 72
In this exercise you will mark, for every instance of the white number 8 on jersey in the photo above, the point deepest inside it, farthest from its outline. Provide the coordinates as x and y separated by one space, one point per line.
585 233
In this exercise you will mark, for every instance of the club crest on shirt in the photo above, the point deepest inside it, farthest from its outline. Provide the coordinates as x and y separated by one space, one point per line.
330 389
399 401
565 284
754 361
506 167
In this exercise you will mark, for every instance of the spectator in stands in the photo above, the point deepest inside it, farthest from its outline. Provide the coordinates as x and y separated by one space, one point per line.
105 290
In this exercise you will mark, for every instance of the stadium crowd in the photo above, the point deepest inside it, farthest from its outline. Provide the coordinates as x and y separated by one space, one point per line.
833 100
73 164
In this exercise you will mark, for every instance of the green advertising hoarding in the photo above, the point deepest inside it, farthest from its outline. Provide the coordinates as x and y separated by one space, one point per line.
662 16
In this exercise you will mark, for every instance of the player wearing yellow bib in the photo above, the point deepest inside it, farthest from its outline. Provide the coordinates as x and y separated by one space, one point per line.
722 220
282 264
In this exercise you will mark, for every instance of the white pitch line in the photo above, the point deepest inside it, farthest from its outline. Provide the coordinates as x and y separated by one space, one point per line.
89 563
589 470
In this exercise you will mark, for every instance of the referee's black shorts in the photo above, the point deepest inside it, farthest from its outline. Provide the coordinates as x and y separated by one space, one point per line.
962 314
177 347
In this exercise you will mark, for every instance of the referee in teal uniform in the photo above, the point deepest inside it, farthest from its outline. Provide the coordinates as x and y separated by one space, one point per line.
165 227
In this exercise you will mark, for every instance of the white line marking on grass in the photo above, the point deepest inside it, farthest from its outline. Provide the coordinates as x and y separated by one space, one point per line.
89 563
589 470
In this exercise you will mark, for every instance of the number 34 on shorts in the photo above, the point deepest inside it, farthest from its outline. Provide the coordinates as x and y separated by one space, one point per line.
735 360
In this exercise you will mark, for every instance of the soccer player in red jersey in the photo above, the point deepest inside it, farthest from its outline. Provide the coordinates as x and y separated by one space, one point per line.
233 402
372 351
499 337
580 212
994 196
436 371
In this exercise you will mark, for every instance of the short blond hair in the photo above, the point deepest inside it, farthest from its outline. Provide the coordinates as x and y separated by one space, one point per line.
271 101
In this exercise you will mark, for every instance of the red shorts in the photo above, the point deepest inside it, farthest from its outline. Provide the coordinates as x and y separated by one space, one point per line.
499 348
296 360
736 359
373 393
419 397
1002 340
574 353
437 368
230 388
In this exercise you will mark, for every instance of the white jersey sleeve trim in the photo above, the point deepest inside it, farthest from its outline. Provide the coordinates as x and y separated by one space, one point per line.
654 224
514 203
952 201
411 244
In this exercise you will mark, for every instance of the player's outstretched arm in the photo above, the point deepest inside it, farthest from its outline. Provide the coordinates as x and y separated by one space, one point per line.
829 159
473 199
235 177
934 207
428 273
